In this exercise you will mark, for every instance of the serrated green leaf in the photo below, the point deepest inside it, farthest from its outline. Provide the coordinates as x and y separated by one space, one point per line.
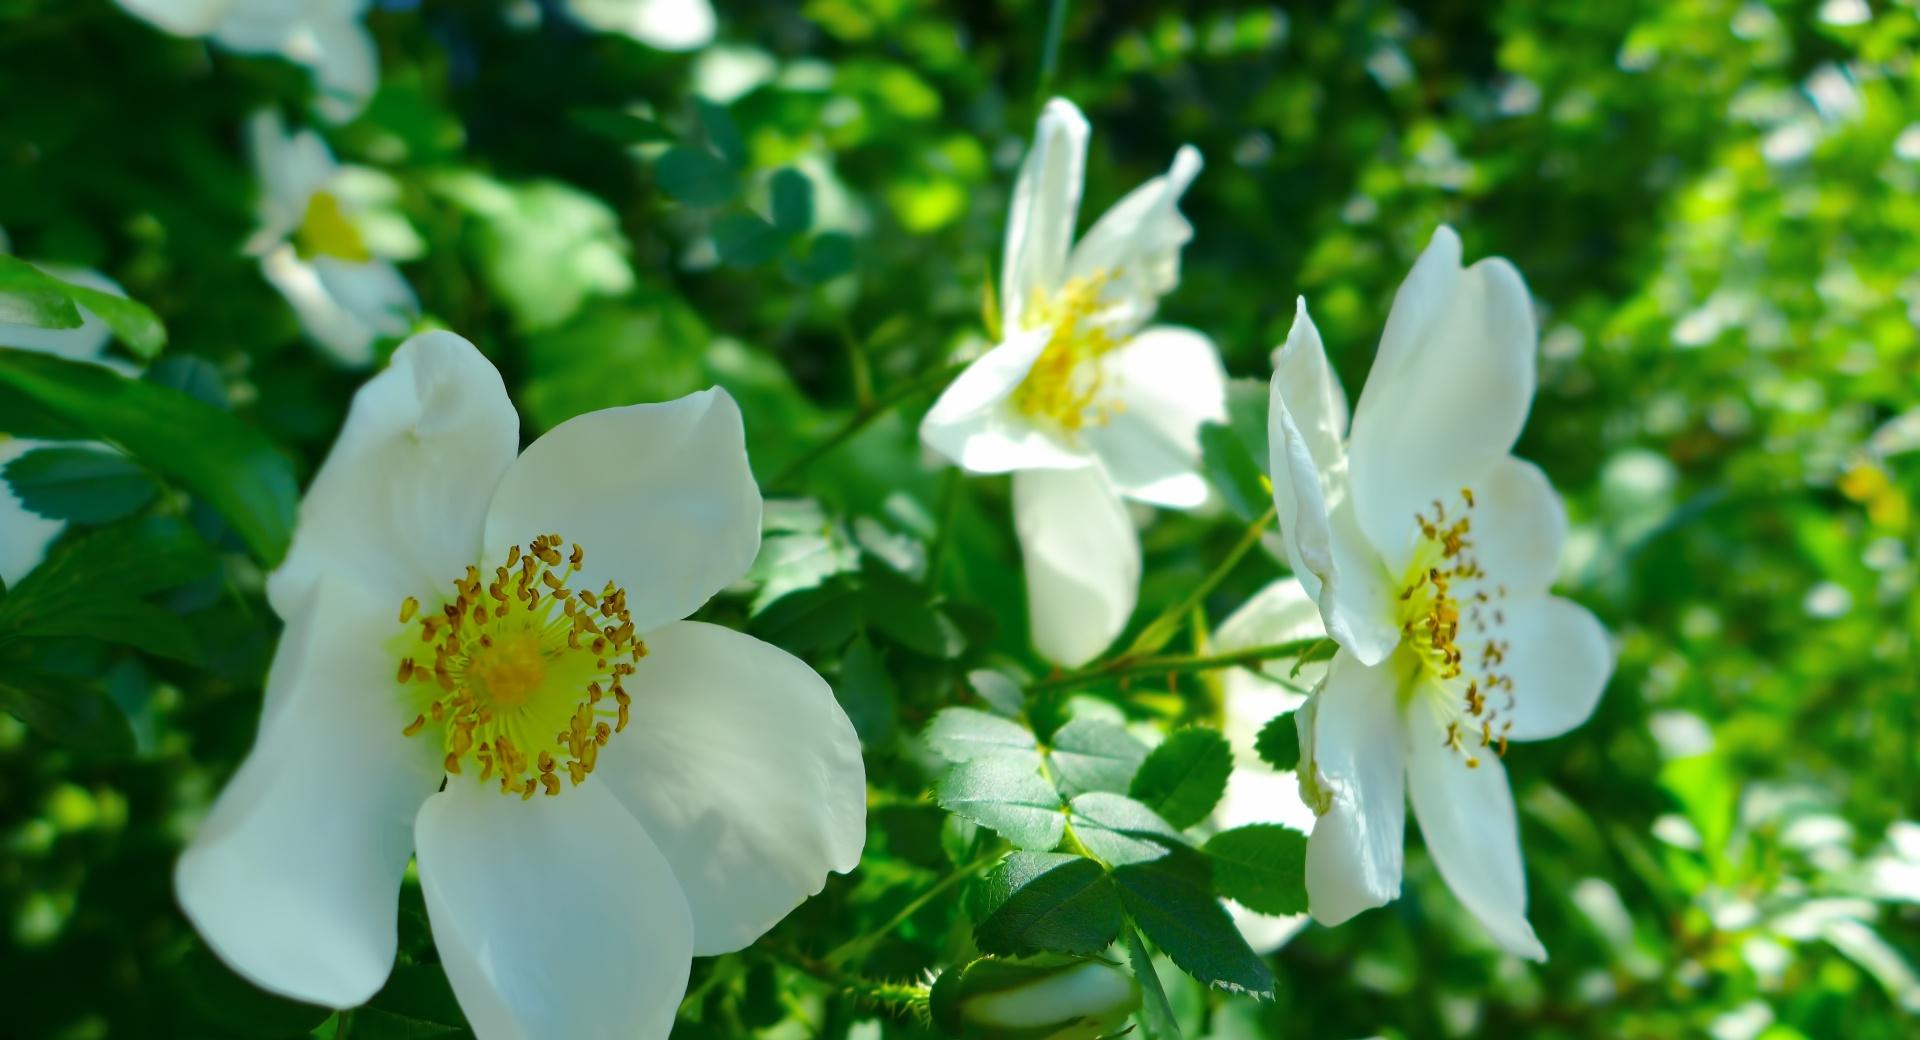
694 176
66 710
792 195
745 240
1173 902
1120 830
1184 778
62 598
216 456
998 690
1007 797
1095 755
81 485
1036 902
965 734
1262 866
30 296
1278 744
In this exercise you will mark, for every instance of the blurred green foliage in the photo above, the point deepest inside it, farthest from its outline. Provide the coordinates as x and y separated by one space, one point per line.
1715 203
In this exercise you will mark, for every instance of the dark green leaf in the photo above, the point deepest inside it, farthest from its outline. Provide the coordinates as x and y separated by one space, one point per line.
1262 866
899 609
82 485
1156 1014
866 693
1094 755
1037 902
792 201
30 296
194 376
829 255
132 323
1172 901
1279 742
965 734
222 1004
1120 830
745 240
66 710
1000 692
219 458
417 1002
617 125
1185 776
372 1023
695 176
722 132
91 588
1007 797
1238 476
820 618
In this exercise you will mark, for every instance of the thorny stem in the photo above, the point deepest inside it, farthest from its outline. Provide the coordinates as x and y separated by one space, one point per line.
858 945
862 416
897 996
1129 667
1162 628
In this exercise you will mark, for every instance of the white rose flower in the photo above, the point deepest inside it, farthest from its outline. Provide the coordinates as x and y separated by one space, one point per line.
1083 402
668 25
484 668
326 36
317 243
1256 792
1430 551
24 534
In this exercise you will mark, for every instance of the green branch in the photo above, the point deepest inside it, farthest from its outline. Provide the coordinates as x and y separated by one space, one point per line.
859 944
862 416
1162 629
1127 667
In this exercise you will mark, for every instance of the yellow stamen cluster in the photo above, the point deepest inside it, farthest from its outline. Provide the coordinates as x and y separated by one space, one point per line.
325 231
1445 589
516 671
1064 385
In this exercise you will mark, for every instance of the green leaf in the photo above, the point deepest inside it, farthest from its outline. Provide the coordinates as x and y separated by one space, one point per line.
1262 866
866 692
618 125
194 376
371 1023
1006 797
987 975
1231 469
66 710
966 734
82 485
417 1003
998 690
1037 902
829 255
694 176
1095 755
1185 776
91 588
1120 830
792 200
1278 744
1156 1014
745 240
1172 901
30 296
899 609
722 132
219 1003
133 324
219 458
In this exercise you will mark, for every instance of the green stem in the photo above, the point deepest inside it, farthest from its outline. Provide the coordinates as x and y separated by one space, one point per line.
858 945
1162 628
862 371
943 535
862 416
1126 667
899 996
1050 46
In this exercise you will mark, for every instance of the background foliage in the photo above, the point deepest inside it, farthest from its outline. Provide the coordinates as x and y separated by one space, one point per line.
1716 205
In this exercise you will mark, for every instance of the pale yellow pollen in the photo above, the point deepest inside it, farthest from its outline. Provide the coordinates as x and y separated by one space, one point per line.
1446 601
517 671
1064 385
325 231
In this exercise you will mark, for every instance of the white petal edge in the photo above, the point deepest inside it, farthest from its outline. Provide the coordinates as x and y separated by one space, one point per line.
398 504
668 25
555 917
659 496
1136 245
1082 560
975 425
1467 819
1447 396
745 771
1161 386
1324 546
1044 207
1558 658
338 331
1354 766
294 878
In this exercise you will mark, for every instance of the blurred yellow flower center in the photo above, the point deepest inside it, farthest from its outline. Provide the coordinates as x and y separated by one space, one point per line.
515 675
1063 387
1447 600
326 231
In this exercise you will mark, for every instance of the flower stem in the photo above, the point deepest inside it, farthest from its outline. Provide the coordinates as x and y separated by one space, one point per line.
859 944
897 996
861 416
1162 628
1129 667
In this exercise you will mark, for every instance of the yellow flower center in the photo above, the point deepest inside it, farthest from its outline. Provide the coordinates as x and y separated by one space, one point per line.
514 674
326 231
1063 387
1447 600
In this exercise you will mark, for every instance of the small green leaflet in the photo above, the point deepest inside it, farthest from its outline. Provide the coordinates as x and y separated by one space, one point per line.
81 485
1262 866
966 734
1278 744
1036 902
1185 776
30 296
1172 901
1008 797
792 195
1120 830
1095 755
694 176
1156 1014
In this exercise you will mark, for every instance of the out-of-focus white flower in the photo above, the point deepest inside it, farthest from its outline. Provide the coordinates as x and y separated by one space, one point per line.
1083 402
1429 550
595 790
1042 998
24 534
1256 792
668 25
326 36
323 243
